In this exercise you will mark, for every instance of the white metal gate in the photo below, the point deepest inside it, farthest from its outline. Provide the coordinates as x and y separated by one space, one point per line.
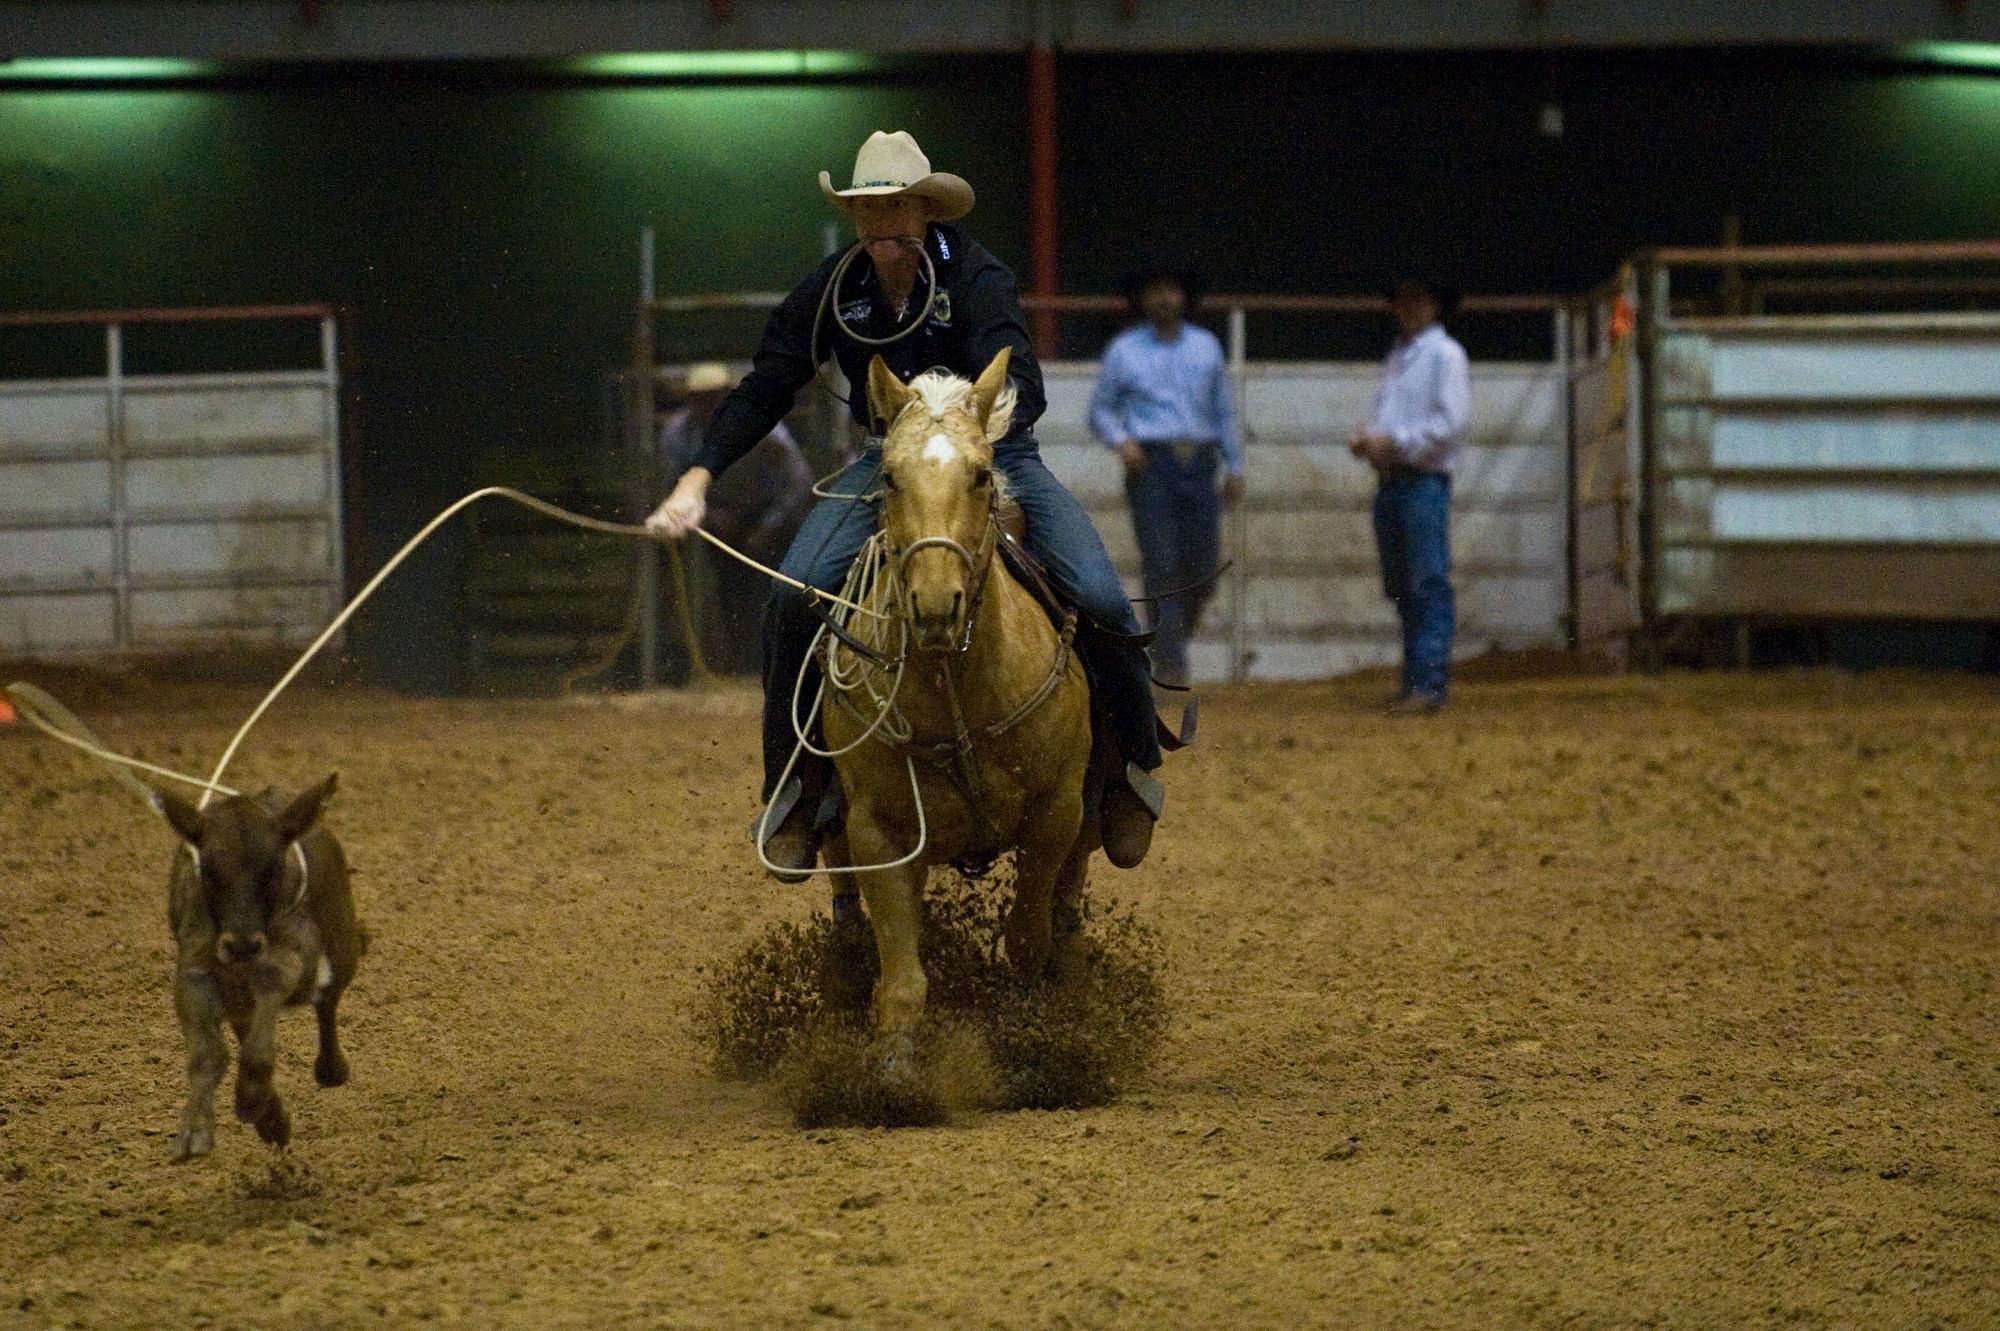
1826 466
169 512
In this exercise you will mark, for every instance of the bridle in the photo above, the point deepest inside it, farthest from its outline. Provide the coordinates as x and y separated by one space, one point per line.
978 564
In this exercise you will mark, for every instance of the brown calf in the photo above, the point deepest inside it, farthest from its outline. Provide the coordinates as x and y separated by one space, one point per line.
263 918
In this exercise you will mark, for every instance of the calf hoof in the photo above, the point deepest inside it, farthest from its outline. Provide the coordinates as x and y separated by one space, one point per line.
274 1125
191 1142
261 1108
330 1068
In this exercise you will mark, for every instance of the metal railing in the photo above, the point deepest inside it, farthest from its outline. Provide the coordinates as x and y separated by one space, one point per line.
1842 464
110 485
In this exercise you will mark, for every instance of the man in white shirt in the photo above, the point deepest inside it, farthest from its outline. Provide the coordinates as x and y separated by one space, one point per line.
1423 414
1162 403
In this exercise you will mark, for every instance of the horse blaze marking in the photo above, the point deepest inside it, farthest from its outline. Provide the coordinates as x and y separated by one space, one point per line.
940 450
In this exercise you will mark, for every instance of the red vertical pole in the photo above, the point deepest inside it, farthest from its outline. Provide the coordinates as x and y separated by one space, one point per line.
1042 190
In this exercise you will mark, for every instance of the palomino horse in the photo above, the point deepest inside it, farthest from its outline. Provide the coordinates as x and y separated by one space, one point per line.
979 709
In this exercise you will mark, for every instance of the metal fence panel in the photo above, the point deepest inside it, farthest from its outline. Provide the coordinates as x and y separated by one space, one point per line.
1810 466
1308 602
169 511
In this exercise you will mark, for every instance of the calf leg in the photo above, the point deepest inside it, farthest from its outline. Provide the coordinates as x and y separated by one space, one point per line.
257 1101
330 1068
200 1009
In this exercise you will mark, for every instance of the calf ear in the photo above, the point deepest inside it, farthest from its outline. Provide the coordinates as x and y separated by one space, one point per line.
303 812
182 816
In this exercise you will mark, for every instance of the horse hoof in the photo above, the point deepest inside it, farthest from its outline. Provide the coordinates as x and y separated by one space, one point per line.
191 1142
899 1058
330 1069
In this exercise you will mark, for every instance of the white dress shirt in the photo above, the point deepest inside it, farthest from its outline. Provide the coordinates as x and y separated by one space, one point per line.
1425 402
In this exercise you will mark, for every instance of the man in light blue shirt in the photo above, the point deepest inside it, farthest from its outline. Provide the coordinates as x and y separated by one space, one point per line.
1423 414
1163 404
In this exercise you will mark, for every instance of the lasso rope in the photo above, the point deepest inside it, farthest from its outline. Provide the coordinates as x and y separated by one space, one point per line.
52 718
56 721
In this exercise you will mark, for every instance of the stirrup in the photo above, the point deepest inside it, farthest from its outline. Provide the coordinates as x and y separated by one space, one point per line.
1126 819
796 850
1147 787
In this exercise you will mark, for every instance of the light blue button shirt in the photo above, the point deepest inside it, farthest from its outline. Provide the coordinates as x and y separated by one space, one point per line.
1425 402
1159 392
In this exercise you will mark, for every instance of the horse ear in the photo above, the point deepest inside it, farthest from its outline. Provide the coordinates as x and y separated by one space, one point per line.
993 397
887 394
180 815
303 812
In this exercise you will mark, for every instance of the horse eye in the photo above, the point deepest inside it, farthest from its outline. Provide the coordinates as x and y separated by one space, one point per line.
889 481
982 478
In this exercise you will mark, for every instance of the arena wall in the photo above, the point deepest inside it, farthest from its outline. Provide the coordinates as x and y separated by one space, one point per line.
1304 599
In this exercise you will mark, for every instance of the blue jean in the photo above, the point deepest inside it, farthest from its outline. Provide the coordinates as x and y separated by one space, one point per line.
1413 534
1177 517
1060 534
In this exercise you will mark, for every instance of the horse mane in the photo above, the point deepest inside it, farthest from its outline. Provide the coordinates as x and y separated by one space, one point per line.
941 390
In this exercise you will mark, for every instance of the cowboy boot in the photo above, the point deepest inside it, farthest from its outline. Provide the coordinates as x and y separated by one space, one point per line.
1130 809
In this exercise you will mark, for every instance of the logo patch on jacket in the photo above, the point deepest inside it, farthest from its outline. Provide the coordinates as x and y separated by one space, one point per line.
941 309
857 311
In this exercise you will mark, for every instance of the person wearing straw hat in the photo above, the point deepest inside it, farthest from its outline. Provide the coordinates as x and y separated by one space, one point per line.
921 293
757 507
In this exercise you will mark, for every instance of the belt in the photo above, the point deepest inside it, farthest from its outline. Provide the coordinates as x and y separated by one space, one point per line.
1184 450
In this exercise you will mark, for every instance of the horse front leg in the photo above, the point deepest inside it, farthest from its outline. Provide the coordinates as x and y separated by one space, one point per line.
846 976
895 905
1047 843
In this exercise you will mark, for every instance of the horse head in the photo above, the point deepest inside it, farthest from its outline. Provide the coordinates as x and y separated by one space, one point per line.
940 493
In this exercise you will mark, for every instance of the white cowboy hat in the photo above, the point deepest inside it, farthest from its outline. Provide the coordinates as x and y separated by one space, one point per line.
894 164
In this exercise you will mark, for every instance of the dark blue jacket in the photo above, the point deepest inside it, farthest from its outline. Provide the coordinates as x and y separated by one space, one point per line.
976 314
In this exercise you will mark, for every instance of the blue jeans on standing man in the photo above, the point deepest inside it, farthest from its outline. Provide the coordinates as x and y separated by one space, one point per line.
1177 517
1413 534
1060 535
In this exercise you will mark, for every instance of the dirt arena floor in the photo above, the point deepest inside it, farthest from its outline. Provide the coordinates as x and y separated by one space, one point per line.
1588 1003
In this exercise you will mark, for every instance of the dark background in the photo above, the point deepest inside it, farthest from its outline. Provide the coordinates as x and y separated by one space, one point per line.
478 225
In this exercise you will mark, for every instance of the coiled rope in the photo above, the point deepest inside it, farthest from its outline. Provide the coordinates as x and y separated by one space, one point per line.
871 588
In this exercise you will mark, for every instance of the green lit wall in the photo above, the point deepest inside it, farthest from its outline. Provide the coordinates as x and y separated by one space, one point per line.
484 234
